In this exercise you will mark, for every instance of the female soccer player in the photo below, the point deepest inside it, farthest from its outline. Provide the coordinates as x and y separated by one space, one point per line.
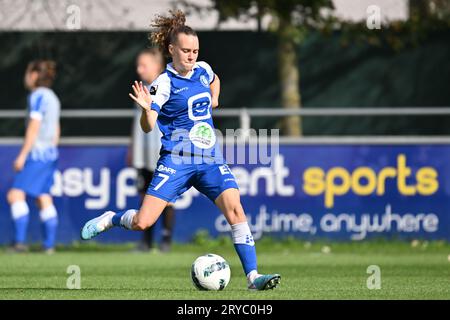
36 162
180 100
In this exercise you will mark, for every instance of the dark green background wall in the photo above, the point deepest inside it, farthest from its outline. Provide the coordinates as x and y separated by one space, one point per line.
96 69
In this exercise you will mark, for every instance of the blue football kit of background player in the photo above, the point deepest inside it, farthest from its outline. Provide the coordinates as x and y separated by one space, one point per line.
190 155
36 177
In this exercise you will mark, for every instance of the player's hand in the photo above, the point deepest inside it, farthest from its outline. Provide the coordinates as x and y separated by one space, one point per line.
19 162
141 95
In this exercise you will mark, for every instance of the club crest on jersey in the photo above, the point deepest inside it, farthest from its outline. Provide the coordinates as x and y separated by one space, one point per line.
153 90
204 81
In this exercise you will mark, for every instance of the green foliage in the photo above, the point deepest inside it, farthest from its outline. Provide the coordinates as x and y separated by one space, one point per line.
397 35
287 10
424 9
294 18
287 14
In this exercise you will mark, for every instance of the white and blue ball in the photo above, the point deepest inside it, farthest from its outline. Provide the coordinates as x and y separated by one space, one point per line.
210 272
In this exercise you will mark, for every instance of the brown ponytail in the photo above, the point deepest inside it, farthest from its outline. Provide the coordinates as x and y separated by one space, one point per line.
167 29
46 70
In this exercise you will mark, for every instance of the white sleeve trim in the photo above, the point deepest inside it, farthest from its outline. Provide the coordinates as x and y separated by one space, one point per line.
162 85
36 115
208 69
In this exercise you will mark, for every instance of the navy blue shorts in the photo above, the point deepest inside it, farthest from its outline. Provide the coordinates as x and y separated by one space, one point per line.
173 176
36 177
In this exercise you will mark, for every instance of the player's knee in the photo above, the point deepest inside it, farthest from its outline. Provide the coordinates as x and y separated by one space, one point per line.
14 196
9 197
44 201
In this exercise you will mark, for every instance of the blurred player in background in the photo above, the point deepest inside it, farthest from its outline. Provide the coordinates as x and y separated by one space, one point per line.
181 100
144 151
36 161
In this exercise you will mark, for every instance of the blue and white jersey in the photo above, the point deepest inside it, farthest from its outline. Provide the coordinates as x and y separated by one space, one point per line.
44 105
184 108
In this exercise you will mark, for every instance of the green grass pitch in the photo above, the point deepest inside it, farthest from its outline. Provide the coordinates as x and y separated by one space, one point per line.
418 271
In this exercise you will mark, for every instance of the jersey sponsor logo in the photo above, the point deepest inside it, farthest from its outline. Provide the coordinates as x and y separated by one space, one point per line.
153 90
166 169
181 89
204 81
202 135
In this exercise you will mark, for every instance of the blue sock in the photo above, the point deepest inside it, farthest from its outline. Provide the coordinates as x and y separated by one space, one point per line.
247 255
21 217
50 227
116 218
124 218
20 228
49 220
245 246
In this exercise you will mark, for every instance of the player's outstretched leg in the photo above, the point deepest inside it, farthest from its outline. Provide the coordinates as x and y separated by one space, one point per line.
129 219
230 204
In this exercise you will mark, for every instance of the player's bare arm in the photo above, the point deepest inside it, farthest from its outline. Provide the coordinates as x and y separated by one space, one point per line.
57 135
215 91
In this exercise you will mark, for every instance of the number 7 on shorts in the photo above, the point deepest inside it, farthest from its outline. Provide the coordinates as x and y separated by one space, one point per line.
165 177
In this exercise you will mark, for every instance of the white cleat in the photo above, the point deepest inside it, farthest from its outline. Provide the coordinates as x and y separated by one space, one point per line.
97 225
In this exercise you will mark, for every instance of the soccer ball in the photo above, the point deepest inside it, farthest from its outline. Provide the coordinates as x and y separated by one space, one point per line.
210 272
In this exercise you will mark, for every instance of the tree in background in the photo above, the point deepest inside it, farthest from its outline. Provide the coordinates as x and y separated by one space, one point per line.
291 20
423 9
